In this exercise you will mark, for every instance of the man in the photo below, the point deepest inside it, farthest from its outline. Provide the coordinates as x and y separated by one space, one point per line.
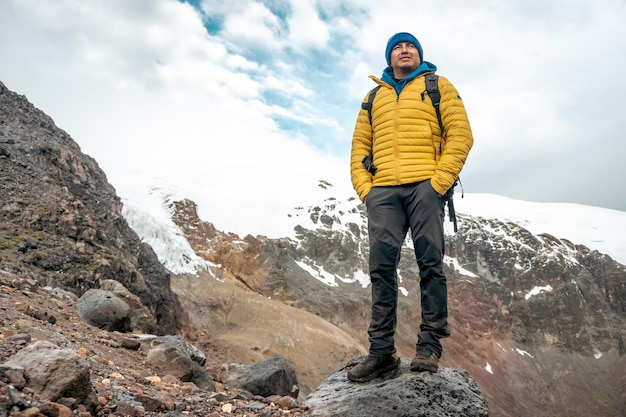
415 165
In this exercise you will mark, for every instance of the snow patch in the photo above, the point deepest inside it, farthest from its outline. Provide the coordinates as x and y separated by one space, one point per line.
319 273
454 263
538 290
362 278
488 368
523 352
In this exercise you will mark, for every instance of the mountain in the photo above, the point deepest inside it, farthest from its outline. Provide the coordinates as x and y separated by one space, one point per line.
538 318
597 228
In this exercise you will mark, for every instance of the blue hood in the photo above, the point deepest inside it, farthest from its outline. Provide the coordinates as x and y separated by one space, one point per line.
398 85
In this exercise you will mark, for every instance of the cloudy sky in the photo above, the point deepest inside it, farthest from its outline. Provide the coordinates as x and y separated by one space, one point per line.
239 104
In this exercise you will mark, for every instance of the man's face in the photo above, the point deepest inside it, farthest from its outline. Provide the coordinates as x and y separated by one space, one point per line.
404 59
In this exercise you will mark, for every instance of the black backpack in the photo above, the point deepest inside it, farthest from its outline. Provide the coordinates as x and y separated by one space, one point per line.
432 89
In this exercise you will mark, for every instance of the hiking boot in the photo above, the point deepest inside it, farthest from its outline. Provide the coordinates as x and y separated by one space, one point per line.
373 366
425 361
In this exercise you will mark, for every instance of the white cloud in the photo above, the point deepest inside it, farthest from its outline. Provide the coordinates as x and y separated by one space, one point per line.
252 25
294 88
305 26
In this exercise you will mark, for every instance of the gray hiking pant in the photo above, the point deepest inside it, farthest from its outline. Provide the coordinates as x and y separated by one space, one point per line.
391 211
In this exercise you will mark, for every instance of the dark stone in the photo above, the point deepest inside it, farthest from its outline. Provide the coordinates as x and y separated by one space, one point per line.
271 377
448 392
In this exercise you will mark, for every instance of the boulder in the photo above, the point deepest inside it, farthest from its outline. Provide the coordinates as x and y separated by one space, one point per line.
104 310
52 372
275 376
448 392
140 317
174 356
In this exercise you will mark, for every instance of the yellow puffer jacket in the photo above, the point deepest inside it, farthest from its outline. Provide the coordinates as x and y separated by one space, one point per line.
407 138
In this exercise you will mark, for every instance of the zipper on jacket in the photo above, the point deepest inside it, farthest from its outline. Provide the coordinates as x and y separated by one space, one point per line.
395 137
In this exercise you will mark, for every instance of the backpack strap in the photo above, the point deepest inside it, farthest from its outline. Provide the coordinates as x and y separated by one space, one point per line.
432 89
368 160
370 100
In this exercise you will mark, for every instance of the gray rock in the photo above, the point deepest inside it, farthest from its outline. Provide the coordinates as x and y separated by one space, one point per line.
140 317
174 356
54 372
449 392
275 376
38 333
104 310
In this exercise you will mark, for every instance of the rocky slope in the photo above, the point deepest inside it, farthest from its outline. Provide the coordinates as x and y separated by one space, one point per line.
61 221
117 372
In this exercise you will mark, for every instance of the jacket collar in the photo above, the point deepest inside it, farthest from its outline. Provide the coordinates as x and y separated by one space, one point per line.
398 85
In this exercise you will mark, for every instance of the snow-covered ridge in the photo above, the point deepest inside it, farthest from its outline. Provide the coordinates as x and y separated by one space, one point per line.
595 227
148 213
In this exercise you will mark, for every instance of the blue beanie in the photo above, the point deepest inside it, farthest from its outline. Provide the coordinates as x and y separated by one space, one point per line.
402 37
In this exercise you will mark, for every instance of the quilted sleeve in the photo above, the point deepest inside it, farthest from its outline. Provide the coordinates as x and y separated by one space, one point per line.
361 145
459 138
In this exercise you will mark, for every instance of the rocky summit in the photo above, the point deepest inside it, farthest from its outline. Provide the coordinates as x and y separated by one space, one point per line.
450 391
269 327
